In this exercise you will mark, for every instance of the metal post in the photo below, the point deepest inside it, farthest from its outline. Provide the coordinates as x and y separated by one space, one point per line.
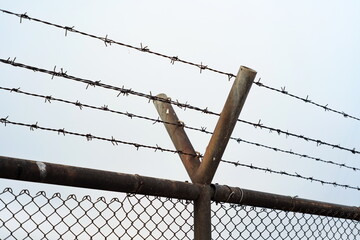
178 136
225 125
202 214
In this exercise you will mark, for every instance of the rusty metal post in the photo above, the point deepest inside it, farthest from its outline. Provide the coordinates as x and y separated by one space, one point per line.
202 214
225 125
178 136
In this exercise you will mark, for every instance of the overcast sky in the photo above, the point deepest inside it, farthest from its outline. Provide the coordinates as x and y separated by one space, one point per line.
310 47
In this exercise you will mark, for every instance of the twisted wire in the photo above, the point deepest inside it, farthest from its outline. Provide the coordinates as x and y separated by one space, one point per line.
114 141
126 92
107 41
49 98
296 175
89 137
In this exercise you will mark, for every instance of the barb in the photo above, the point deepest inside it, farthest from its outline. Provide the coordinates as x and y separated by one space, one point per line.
296 175
112 140
174 59
126 92
180 124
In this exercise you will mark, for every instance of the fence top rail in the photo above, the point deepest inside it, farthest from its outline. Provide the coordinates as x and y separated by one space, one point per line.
36 171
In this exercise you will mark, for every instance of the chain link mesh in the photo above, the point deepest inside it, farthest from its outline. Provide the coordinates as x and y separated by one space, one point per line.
231 221
26 216
38 216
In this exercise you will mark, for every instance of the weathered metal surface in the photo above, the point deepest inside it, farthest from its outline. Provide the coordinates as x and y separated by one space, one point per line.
26 170
223 193
178 136
202 214
225 125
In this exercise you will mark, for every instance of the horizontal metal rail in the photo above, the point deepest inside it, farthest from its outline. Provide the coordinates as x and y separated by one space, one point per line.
35 171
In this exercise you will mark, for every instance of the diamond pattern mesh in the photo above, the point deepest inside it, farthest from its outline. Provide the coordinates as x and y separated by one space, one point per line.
38 216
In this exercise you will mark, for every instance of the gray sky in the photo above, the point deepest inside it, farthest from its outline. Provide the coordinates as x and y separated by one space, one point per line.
311 47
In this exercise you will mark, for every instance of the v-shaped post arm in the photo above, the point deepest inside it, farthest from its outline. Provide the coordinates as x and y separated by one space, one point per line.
204 171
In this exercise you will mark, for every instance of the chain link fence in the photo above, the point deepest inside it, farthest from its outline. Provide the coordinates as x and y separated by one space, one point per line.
37 216
230 221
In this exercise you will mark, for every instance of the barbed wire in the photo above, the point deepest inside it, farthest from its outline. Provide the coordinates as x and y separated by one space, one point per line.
296 175
89 137
49 98
107 41
150 97
113 141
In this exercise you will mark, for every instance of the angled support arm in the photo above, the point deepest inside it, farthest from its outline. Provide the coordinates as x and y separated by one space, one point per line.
203 172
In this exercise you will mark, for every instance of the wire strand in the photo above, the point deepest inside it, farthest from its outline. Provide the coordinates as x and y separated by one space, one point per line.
90 137
49 98
296 175
107 41
150 97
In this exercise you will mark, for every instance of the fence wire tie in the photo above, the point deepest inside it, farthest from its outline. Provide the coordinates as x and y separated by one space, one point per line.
70 29
140 183
230 194
293 202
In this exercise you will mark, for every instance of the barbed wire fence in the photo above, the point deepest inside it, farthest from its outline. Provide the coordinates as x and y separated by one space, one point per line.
135 215
121 91
108 41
